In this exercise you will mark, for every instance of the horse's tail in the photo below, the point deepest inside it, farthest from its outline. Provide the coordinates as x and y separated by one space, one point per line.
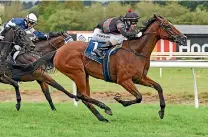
46 60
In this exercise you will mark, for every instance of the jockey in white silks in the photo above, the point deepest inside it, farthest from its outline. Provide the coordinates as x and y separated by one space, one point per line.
113 31
26 24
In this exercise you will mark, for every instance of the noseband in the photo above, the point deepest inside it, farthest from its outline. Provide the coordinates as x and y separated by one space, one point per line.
168 29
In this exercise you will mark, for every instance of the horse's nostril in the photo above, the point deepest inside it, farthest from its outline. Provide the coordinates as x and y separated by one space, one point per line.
184 39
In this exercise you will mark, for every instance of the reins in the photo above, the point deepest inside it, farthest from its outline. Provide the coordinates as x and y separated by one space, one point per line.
154 32
134 52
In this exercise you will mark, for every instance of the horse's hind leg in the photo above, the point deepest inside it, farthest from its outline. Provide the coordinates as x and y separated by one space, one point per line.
95 112
82 86
90 106
87 85
107 110
16 86
150 83
46 92
131 88
81 82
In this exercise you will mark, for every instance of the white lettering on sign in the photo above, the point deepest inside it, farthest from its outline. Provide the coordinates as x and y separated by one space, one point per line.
194 46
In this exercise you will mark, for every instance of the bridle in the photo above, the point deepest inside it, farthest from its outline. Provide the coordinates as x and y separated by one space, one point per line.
53 45
167 28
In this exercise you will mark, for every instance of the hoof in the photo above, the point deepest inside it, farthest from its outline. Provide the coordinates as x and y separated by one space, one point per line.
117 98
125 104
161 114
18 107
109 112
105 120
101 118
76 99
53 109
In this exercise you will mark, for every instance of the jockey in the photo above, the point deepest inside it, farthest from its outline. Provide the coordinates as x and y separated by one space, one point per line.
114 30
26 24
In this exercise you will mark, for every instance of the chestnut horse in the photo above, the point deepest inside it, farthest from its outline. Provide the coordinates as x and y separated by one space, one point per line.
128 66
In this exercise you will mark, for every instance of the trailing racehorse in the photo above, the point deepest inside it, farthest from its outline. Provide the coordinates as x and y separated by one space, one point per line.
41 48
128 66
29 73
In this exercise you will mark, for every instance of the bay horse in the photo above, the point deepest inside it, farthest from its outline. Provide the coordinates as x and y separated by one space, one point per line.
128 66
41 47
27 56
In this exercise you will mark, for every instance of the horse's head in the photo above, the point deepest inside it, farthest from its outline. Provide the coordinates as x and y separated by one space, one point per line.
168 32
59 41
56 42
14 36
19 37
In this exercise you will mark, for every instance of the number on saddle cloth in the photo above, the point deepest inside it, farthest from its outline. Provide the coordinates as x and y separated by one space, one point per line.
92 45
89 52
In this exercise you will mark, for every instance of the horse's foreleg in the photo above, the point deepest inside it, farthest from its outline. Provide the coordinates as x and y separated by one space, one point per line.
131 88
150 83
16 86
46 92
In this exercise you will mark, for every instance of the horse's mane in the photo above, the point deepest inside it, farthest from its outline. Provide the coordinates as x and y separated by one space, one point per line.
37 41
148 23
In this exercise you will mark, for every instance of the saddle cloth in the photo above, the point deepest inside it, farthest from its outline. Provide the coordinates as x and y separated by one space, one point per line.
89 53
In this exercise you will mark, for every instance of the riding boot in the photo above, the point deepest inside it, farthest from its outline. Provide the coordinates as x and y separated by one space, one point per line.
4 31
2 34
106 46
1 38
99 50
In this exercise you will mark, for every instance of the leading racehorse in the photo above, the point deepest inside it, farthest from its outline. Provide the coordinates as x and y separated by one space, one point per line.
128 66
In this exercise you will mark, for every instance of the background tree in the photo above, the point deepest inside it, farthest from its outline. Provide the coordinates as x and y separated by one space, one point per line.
13 9
75 15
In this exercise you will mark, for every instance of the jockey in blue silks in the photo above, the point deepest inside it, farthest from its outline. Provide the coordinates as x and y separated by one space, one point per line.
27 24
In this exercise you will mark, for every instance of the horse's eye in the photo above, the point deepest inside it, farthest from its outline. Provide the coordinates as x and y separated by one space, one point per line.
168 27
